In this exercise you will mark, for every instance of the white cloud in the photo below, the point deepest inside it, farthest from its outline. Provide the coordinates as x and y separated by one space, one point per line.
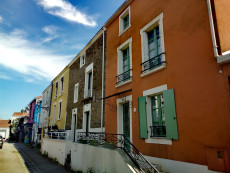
51 31
1 19
4 76
64 9
26 58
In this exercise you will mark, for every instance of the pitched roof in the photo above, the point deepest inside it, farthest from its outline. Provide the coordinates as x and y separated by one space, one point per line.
19 114
4 123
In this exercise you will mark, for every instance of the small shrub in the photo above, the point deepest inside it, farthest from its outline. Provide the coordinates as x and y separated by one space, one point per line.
54 159
90 170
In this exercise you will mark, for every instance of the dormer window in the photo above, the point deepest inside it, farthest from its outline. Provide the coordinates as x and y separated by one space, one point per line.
82 61
124 21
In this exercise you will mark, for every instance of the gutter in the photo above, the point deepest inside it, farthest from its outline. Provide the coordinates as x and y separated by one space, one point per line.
225 57
103 80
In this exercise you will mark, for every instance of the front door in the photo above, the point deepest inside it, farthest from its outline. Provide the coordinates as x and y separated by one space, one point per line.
126 124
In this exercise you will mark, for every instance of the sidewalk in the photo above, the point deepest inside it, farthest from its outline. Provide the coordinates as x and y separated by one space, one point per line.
37 163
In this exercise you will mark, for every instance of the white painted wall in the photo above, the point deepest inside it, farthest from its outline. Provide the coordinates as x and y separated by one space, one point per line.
84 156
5 132
173 166
56 149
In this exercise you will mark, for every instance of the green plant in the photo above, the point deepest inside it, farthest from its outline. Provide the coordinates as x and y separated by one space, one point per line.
94 142
82 141
38 146
54 159
78 171
90 170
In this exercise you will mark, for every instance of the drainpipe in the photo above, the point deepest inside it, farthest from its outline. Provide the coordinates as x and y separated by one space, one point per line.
103 75
220 58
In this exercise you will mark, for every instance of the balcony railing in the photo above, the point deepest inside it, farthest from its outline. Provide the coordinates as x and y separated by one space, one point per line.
152 63
158 131
57 135
121 142
124 77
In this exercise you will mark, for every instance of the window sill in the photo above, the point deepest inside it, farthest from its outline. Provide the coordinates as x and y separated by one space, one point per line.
159 140
153 70
121 32
124 83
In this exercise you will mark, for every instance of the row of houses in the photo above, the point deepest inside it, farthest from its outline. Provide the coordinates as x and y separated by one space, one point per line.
153 80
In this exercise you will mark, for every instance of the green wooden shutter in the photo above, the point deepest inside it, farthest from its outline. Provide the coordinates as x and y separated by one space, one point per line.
142 117
170 115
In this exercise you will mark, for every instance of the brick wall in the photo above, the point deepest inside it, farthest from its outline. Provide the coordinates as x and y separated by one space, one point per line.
77 75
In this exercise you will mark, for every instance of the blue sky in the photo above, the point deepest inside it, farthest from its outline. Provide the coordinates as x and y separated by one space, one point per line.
38 38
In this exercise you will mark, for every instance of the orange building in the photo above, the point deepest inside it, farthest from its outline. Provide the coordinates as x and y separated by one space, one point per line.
167 82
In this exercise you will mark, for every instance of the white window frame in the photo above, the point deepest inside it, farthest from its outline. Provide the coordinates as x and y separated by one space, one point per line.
54 113
126 44
62 85
59 109
87 71
76 90
158 21
56 88
149 93
121 21
82 63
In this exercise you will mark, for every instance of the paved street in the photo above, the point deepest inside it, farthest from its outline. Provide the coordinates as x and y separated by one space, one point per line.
17 157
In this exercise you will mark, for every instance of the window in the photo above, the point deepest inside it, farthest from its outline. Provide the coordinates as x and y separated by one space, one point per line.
62 84
157 115
152 42
88 81
54 115
59 112
82 61
124 21
56 91
76 92
46 97
124 62
89 87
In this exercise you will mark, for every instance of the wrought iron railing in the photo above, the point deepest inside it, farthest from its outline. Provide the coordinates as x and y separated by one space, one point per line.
152 63
158 131
118 141
57 135
124 76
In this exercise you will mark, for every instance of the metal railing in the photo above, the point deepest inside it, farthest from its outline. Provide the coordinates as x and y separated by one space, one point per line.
121 142
158 131
124 76
57 135
152 63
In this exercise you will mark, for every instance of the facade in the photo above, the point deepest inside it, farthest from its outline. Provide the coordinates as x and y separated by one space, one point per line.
59 99
46 100
32 124
37 124
165 88
85 103
5 129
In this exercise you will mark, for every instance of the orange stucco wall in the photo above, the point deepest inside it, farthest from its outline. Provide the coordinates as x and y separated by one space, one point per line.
223 22
201 92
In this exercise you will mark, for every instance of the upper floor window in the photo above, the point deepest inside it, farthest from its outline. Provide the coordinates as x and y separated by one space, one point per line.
124 62
82 61
152 44
76 92
62 84
89 81
124 21
56 89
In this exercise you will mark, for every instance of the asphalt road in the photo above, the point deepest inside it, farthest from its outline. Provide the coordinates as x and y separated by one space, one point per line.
17 157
